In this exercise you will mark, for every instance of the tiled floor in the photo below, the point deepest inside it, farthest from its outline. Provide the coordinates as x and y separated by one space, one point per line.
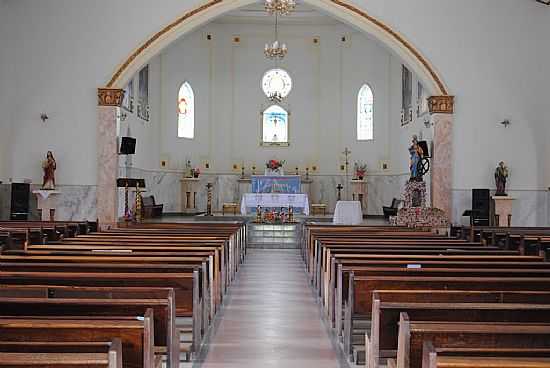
271 318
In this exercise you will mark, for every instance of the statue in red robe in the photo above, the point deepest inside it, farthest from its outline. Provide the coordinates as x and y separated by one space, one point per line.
49 166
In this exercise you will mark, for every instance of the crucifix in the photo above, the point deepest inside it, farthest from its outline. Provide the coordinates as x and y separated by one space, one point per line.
347 154
339 188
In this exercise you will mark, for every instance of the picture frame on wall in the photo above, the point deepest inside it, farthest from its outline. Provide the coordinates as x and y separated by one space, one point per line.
129 98
143 110
422 101
406 97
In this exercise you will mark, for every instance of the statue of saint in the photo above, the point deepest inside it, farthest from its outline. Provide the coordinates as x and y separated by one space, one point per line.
501 175
188 169
49 166
416 154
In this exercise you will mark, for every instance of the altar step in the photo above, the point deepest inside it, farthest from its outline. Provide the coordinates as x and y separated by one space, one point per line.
267 236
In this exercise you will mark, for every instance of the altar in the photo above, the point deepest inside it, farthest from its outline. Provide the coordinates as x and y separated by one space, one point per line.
275 192
299 202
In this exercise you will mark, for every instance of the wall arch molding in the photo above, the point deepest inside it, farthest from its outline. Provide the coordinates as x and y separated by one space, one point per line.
340 9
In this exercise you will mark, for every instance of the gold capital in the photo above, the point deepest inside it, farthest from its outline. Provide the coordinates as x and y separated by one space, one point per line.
441 104
110 97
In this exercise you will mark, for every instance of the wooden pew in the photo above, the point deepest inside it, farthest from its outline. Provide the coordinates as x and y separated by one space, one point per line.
412 335
135 334
166 336
384 324
185 285
61 355
361 289
484 358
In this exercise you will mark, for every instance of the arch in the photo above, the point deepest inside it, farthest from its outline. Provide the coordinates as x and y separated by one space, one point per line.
340 9
365 113
186 111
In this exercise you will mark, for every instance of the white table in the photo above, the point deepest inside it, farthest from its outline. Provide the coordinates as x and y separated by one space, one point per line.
253 200
348 213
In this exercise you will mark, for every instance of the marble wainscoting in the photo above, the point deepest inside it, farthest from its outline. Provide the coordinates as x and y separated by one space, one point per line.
75 203
165 186
530 208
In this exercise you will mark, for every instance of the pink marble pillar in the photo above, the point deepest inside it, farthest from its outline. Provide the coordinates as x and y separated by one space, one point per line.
442 109
107 156
442 163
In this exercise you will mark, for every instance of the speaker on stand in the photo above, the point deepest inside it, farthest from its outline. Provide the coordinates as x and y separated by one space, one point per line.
481 205
20 195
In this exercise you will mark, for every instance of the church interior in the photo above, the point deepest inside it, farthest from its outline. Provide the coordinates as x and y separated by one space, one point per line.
246 183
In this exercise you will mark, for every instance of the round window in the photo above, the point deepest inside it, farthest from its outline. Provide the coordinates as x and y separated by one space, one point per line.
276 81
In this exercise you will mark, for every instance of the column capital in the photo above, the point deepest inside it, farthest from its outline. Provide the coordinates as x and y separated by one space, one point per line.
110 97
441 104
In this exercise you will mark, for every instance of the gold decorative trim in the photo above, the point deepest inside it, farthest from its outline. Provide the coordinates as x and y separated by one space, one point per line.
158 35
110 97
441 104
340 3
398 38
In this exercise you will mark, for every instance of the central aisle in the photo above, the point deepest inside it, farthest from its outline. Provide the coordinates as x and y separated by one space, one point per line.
271 318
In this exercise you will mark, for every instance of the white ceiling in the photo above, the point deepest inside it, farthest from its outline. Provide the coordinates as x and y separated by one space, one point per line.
256 14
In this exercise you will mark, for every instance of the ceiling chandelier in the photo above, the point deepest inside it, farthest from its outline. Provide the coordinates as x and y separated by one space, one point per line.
281 7
275 97
276 50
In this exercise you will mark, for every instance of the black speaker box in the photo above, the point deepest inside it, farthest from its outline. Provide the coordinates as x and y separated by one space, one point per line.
128 146
481 202
20 195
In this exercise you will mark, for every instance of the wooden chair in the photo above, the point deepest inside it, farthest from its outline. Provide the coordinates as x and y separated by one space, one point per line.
150 208
318 209
230 207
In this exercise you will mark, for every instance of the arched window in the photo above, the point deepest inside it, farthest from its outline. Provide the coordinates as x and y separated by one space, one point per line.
275 126
186 111
365 114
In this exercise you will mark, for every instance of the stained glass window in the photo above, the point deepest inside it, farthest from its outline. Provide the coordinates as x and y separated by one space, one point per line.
186 111
365 114
275 126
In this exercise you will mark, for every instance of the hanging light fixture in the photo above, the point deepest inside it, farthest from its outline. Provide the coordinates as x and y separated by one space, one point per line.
276 50
281 7
275 97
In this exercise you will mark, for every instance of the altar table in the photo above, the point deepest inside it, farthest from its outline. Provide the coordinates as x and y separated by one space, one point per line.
348 213
275 200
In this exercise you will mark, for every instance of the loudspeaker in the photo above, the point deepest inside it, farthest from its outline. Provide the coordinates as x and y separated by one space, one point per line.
481 202
128 146
20 195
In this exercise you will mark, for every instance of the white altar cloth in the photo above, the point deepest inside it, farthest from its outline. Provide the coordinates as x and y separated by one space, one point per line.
348 213
253 200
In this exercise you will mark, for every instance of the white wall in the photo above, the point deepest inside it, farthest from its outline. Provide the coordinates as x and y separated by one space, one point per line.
226 78
6 68
493 54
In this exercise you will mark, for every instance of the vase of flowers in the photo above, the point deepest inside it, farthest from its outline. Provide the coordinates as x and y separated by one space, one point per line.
360 170
195 172
274 167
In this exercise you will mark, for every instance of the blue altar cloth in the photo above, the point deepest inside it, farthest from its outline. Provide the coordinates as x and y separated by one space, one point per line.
276 184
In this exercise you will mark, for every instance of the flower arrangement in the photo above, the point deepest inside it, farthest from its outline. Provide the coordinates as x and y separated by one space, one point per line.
360 170
195 172
274 164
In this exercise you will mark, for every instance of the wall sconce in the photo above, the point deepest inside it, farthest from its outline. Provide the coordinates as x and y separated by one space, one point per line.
44 117
506 123
427 123
122 116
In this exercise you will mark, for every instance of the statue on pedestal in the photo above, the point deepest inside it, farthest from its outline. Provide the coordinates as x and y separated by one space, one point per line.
414 151
49 166
501 175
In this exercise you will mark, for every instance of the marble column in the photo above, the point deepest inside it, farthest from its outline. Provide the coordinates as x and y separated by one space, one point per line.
441 110
109 101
